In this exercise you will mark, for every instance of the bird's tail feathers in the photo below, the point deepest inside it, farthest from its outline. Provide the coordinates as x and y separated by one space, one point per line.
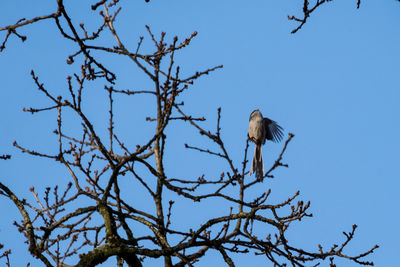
257 165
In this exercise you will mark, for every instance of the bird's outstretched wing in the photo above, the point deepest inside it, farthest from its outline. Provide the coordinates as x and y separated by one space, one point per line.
273 131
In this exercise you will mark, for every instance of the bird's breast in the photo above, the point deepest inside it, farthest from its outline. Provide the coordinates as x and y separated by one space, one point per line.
256 130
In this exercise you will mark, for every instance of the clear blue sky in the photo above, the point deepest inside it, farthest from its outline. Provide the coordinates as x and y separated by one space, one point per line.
334 84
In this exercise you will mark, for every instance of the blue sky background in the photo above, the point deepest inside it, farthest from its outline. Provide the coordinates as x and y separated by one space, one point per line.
334 84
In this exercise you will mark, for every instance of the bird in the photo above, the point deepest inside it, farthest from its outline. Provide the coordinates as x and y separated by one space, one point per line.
261 129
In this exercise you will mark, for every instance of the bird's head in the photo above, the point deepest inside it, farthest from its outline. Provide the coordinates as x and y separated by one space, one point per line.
255 113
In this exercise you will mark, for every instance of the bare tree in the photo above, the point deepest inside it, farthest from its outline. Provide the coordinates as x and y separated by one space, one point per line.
105 223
